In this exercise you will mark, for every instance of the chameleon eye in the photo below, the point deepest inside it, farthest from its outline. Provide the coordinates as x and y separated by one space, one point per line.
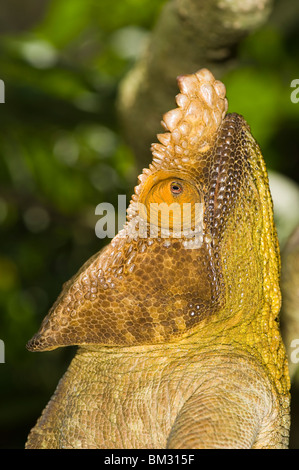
171 204
176 188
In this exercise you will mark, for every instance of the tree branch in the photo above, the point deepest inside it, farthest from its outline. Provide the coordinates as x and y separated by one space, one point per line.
189 35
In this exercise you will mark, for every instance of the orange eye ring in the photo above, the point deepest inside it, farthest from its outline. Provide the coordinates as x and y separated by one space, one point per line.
171 203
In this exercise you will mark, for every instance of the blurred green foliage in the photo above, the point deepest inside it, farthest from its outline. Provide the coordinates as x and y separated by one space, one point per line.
259 88
61 153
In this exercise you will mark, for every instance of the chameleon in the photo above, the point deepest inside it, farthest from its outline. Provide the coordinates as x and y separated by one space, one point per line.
177 318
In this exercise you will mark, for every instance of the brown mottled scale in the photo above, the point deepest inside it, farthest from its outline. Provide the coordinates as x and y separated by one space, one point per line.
175 313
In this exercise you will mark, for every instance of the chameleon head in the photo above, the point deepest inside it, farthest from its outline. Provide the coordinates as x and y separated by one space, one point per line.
167 276
170 196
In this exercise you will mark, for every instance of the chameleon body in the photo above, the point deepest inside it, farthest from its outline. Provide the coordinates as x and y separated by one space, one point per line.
177 325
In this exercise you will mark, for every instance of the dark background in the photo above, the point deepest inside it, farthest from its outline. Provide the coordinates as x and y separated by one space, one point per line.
62 153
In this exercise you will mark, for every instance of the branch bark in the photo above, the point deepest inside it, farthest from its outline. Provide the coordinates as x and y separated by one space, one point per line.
189 35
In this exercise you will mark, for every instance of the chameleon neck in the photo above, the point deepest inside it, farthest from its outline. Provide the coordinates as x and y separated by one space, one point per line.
91 389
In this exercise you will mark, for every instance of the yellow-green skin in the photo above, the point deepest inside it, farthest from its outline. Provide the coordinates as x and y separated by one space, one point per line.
179 347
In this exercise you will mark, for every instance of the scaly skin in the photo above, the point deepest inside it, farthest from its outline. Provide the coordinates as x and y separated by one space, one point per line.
179 341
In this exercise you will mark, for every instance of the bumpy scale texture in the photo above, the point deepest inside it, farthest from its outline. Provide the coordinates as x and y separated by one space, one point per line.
177 325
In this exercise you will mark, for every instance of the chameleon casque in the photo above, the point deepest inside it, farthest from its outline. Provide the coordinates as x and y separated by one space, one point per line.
177 327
